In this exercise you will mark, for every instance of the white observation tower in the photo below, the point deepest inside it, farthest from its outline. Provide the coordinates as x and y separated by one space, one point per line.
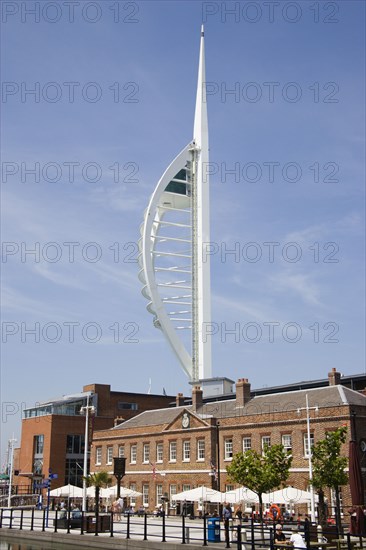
174 234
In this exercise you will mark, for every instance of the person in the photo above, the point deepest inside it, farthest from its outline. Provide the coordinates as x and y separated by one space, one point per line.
239 514
226 516
279 537
239 518
296 539
116 509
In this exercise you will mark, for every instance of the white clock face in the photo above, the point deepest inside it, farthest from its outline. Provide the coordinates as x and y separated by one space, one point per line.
185 420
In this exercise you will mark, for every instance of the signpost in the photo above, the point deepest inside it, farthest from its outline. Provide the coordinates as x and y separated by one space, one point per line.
47 485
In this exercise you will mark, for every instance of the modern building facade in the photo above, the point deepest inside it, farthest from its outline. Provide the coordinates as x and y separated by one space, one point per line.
178 448
53 432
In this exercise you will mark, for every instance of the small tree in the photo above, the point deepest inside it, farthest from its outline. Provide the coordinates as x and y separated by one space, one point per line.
328 469
98 480
261 472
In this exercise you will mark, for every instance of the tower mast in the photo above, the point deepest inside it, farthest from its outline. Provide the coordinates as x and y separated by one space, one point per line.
201 279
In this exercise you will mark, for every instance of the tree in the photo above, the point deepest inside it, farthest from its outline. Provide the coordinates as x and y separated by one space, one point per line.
261 472
98 480
328 469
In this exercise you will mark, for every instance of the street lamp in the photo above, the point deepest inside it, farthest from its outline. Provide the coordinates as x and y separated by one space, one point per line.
312 500
87 409
11 465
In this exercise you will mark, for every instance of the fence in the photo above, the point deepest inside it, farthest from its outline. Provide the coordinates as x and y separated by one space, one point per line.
201 531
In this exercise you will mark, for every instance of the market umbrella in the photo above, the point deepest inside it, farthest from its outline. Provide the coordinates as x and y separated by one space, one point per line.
206 494
242 494
69 491
287 495
357 526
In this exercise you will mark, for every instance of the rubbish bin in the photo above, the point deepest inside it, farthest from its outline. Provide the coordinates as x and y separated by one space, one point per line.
213 529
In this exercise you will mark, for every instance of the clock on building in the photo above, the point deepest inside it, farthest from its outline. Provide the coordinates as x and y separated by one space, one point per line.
185 420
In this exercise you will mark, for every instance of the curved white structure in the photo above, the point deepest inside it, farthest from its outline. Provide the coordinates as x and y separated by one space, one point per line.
176 228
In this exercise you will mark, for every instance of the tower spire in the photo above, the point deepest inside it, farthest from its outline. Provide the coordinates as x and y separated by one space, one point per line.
201 280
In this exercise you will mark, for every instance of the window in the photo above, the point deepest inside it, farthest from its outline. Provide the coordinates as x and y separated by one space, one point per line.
159 452
121 451
122 406
74 472
306 444
38 445
146 453
287 442
74 444
98 456
145 495
133 499
266 442
133 454
247 444
201 449
109 455
159 494
229 488
173 451
228 449
186 487
173 492
186 451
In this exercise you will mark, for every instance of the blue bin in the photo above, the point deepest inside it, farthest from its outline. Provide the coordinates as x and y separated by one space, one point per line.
213 529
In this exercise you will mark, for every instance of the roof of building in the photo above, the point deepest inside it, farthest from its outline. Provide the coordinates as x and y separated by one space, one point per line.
330 396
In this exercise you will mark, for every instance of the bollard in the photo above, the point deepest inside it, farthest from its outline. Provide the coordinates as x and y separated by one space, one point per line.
183 529
145 526
238 537
112 524
82 523
44 520
163 527
1 518
55 520
204 531
21 519
32 520
349 545
128 527
68 521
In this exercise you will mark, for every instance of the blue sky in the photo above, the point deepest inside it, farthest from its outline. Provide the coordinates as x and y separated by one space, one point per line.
292 131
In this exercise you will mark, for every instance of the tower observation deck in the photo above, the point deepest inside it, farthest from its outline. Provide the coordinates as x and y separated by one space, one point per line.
176 229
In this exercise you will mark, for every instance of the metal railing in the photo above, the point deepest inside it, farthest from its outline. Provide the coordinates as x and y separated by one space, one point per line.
247 535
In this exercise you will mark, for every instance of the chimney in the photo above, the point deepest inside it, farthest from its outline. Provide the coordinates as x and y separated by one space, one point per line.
334 377
179 400
242 392
197 398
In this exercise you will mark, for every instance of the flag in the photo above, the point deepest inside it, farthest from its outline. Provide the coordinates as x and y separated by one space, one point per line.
153 470
214 470
164 392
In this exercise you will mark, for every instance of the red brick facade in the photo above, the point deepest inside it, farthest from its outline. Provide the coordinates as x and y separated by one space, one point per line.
276 416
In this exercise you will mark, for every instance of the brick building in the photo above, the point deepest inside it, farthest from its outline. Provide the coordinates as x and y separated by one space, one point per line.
53 432
174 449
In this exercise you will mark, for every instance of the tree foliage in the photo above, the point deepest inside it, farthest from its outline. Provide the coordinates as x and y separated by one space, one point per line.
261 472
98 480
328 464
328 468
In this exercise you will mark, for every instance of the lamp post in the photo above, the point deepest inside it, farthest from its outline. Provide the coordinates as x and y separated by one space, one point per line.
119 471
218 455
312 499
87 409
11 465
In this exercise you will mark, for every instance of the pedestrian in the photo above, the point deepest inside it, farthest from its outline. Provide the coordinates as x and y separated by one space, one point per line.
296 539
226 516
